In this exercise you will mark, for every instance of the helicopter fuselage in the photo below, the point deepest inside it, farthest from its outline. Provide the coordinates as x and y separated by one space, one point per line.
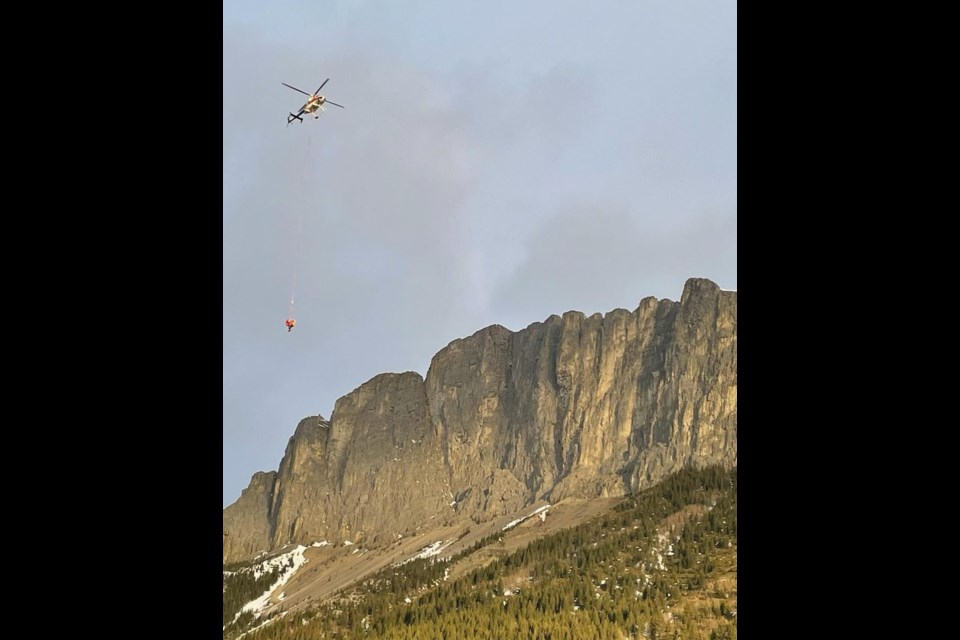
313 104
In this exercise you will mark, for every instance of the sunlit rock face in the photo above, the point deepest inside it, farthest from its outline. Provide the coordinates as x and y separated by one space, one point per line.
574 406
246 525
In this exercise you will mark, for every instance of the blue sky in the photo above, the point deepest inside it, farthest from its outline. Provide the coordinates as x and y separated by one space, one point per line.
496 163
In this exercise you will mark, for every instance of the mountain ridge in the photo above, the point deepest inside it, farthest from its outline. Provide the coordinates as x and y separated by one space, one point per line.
574 406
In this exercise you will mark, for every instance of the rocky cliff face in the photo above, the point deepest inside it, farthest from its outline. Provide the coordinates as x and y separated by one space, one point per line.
374 469
573 406
246 529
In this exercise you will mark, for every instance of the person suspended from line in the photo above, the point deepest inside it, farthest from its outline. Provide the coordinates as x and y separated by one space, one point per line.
291 323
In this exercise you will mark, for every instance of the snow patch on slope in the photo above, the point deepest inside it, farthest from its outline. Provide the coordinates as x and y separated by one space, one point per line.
541 510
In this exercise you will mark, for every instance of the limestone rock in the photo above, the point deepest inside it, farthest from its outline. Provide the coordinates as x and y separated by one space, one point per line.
574 406
246 525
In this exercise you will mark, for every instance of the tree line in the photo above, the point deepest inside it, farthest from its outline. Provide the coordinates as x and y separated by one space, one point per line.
623 574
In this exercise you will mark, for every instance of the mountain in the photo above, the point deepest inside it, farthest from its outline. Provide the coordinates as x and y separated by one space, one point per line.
658 563
572 407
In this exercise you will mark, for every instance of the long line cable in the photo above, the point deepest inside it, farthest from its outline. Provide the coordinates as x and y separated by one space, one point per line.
303 199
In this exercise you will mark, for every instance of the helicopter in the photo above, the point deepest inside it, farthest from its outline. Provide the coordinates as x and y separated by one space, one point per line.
314 105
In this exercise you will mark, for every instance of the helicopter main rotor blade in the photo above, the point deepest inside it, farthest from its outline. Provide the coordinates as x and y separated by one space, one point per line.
335 104
321 86
295 89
